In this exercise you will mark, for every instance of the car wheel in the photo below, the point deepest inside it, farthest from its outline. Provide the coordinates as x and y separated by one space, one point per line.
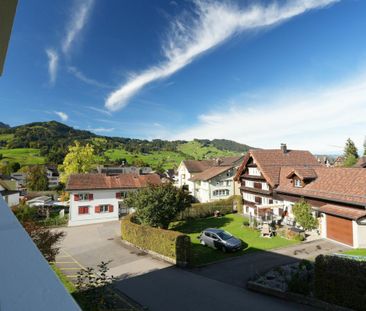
203 242
224 250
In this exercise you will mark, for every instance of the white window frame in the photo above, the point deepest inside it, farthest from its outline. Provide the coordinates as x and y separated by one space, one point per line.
297 183
83 196
104 208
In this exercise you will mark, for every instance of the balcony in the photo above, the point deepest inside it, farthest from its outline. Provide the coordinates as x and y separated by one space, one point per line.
256 190
27 281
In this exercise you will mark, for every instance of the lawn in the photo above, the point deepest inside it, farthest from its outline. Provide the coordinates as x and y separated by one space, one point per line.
232 223
64 280
25 156
356 252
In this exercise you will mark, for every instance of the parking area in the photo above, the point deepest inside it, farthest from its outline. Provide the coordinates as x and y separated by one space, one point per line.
87 246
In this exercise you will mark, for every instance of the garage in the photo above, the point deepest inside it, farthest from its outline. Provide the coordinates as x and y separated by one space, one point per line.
340 229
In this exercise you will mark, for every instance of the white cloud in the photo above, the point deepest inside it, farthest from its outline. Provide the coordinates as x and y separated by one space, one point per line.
106 112
63 116
211 24
78 74
79 17
101 130
52 64
320 120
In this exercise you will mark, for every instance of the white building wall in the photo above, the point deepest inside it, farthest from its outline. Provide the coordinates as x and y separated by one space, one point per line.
100 197
361 234
12 199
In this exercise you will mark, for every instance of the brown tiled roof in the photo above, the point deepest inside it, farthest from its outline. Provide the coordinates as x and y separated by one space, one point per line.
303 173
270 161
102 181
210 173
343 211
333 183
196 166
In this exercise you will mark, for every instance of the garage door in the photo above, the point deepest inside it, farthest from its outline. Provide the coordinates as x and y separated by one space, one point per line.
340 229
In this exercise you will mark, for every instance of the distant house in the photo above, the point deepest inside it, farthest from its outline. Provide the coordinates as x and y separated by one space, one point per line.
339 161
9 192
325 160
96 198
272 181
52 176
209 180
116 170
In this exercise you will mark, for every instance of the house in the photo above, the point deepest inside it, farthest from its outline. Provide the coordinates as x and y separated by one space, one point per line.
98 197
53 176
209 180
9 192
116 170
272 181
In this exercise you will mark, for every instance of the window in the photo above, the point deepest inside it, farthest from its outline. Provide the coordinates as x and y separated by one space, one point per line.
229 173
83 197
297 183
121 195
258 200
83 210
254 171
249 183
228 183
265 186
104 208
221 192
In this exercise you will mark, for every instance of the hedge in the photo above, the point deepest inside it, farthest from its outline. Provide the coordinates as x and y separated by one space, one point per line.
341 281
201 210
169 243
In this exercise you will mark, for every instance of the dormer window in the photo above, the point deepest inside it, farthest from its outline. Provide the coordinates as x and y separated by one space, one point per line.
297 183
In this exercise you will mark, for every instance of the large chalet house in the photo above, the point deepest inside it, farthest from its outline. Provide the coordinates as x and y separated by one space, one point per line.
96 198
272 181
209 180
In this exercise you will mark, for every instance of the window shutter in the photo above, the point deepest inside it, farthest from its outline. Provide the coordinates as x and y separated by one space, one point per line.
118 195
110 207
97 209
90 196
80 210
76 197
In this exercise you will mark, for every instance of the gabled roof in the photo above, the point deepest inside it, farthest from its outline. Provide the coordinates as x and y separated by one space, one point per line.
303 173
270 161
348 212
102 181
210 173
197 166
334 184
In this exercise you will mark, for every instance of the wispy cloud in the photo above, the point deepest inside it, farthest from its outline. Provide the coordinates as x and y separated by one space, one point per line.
101 130
82 77
80 14
106 112
63 116
209 25
52 65
317 120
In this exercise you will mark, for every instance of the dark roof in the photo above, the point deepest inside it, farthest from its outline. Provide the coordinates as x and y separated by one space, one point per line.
270 162
342 211
102 181
333 183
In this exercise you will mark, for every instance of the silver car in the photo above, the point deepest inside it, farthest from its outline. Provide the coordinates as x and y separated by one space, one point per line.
219 239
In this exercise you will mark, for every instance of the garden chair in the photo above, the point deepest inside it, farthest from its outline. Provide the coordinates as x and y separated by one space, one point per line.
267 231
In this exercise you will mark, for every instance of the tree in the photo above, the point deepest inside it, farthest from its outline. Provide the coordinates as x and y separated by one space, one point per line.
45 239
15 166
350 151
157 206
37 178
79 159
303 216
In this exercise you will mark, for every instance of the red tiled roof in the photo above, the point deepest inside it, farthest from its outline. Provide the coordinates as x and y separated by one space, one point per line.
333 183
102 181
197 166
270 161
303 173
343 211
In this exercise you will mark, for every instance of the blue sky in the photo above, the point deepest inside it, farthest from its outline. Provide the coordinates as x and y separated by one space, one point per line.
258 72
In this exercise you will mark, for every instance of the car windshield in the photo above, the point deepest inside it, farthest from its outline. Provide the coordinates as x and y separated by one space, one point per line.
224 235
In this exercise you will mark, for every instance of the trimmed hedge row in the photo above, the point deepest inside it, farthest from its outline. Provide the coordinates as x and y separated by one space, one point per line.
172 244
341 281
201 210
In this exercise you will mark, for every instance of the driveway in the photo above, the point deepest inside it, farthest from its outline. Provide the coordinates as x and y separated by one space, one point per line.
238 270
87 246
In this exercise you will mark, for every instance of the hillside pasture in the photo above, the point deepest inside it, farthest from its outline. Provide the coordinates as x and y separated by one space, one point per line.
25 156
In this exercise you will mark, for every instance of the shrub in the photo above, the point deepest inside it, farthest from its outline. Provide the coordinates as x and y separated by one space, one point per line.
341 281
172 244
201 210
303 216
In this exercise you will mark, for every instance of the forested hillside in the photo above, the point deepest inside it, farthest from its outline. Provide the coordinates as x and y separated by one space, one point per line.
49 141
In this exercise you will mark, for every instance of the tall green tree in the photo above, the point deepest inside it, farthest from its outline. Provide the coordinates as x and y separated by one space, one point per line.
79 159
157 206
37 178
350 153
303 216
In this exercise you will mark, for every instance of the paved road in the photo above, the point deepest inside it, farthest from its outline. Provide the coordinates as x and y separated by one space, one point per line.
87 246
238 270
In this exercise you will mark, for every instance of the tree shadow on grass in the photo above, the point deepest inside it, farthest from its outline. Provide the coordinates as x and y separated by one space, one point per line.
197 225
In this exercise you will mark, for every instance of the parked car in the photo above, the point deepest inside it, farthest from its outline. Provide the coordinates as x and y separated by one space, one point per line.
219 239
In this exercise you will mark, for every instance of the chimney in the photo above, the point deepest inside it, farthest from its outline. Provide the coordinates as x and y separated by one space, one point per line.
284 148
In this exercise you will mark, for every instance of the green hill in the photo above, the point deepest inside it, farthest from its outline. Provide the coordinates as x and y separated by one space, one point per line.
47 142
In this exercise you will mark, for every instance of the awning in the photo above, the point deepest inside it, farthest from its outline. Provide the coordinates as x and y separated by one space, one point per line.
343 211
